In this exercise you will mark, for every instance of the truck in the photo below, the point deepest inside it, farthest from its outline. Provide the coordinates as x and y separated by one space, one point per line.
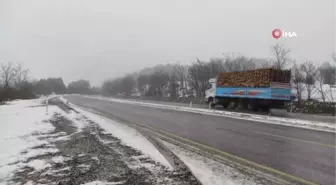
260 89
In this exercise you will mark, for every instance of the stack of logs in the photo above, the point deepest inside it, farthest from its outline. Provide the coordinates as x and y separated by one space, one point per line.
253 78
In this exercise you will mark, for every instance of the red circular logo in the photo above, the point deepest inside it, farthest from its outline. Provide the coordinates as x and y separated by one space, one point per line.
276 33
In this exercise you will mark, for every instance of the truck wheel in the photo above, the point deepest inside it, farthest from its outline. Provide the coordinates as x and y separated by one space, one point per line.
231 105
266 110
225 105
211 103
252 105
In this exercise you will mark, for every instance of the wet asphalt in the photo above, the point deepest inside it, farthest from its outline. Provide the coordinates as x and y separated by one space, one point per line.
305 153
274 112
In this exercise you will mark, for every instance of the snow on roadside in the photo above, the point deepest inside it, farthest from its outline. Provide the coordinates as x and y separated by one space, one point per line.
78 123
21 122
208 171
236 115
38 164
65 101
102 183
28 135
127 135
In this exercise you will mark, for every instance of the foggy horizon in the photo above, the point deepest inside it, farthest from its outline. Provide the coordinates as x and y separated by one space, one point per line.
98 40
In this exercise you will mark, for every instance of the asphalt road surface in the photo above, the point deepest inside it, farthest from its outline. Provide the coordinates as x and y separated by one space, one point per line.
274 112
305 153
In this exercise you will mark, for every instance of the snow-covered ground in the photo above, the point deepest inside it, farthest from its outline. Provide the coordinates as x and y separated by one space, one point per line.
331 127
64 146
128 135
20 122
328 91
208 171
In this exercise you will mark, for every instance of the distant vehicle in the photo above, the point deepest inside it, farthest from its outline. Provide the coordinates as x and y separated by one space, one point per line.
255 89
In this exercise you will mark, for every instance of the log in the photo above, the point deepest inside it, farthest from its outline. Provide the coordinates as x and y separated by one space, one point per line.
253 78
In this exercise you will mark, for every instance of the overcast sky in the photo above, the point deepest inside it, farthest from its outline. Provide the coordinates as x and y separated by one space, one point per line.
96 39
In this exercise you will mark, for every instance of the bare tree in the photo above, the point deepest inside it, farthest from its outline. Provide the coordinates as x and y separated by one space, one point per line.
334 57
233 62
228 65
333 71
298 80
20 75
173 85
158 81
199 74
329 77
200 71
261 63
334 74
50 85
80 87
142 83
266 64
216 66
331 93
112 87
181 72
127 85
319 84
7 74
15 82
309 73
243 63
120 86
281 55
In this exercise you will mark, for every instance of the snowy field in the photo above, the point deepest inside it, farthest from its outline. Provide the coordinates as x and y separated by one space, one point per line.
21 122
65 147
324 126
328 91
70 145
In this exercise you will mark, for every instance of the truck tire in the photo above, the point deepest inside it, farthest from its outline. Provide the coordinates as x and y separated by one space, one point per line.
252 105
233 105
225 105
211 103
266 110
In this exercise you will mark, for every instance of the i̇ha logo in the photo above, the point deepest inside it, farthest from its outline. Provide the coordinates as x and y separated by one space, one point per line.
277 33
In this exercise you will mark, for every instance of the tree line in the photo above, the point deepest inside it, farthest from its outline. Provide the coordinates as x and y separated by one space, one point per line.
16 83
175 80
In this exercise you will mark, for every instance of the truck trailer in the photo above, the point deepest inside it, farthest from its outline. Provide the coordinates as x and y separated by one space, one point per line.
260 89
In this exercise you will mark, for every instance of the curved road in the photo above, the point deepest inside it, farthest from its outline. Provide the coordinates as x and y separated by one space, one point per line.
305 153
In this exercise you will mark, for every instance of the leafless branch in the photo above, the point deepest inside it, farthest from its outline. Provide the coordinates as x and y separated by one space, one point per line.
309 71
7 74
281 55
319 84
